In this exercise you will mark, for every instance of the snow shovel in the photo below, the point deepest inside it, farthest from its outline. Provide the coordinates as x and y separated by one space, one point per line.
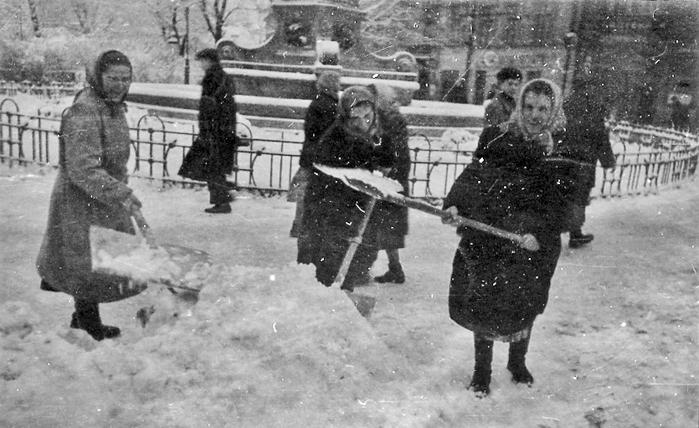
131 256
386 189
364 304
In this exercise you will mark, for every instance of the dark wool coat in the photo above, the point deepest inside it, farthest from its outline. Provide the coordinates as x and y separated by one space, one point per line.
90 189
499 110
498 288
321 114
332 210
392 219
586 139
217 120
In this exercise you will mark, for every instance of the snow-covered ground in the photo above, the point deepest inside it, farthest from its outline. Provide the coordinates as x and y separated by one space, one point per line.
267 346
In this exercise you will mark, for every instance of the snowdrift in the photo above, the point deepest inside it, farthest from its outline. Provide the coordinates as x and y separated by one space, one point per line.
261 347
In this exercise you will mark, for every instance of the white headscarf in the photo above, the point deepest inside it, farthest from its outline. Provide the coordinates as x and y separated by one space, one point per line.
555 123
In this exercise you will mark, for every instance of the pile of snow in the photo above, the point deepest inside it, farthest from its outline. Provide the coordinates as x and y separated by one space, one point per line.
256 337
465 139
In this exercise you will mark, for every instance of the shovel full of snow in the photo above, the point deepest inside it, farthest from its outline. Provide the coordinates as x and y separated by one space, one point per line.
386 189
144 261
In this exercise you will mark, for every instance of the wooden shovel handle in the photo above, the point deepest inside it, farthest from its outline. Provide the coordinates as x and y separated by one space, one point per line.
527 241
142 228
354 243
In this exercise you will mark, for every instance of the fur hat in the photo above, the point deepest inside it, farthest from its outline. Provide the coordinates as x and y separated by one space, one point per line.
210 54
507 73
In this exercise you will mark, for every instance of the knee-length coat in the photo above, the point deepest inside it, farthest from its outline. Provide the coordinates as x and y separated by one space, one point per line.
90 189
217 120
498 288
586 139
212 154
392 219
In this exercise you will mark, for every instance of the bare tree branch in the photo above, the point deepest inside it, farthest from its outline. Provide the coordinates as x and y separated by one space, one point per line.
205 13
216 18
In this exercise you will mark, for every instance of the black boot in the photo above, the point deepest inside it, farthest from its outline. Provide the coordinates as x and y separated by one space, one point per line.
515 362
480 382
395 274
578 239
219 209
87 317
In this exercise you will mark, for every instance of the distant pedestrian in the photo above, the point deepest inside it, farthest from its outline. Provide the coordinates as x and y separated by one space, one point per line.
585 141
392 219
681 104
333 211
497 288
321 113
502 105
490 95
91 190
217 123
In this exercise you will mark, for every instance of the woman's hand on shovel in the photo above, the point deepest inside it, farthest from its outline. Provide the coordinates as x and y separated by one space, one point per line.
142 227
451 216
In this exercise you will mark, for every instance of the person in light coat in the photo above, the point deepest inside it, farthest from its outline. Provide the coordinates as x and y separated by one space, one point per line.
91 189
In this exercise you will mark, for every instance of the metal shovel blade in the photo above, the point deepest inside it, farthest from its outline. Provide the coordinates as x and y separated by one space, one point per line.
123 254
364 304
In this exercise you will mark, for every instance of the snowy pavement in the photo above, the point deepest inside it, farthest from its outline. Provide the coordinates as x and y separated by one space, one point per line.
268 346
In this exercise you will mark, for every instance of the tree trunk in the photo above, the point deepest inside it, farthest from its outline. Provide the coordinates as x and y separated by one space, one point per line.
34 17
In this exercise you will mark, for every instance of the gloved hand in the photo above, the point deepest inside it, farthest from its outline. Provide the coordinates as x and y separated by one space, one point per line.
450 216
142 227
132 204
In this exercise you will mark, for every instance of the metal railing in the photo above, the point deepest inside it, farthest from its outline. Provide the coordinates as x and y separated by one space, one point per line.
647 158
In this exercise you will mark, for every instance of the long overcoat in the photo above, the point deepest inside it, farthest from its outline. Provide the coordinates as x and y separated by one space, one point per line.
586 139
498 288
392 219
332 210
217 120
90 189
321 114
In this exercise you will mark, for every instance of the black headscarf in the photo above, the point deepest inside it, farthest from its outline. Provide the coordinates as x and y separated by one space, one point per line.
351 97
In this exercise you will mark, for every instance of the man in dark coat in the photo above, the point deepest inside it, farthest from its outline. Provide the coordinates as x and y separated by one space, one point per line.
392 219
501 107
333 211
497 289
217 123
585 141
321 113
91 189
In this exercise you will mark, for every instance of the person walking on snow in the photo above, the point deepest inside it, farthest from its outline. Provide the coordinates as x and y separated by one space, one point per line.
217 122
585 141
497 288
91 189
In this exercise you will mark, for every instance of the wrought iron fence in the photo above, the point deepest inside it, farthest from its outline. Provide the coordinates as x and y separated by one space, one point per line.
647 158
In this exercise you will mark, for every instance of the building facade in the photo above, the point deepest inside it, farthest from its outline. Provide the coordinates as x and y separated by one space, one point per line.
644 51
